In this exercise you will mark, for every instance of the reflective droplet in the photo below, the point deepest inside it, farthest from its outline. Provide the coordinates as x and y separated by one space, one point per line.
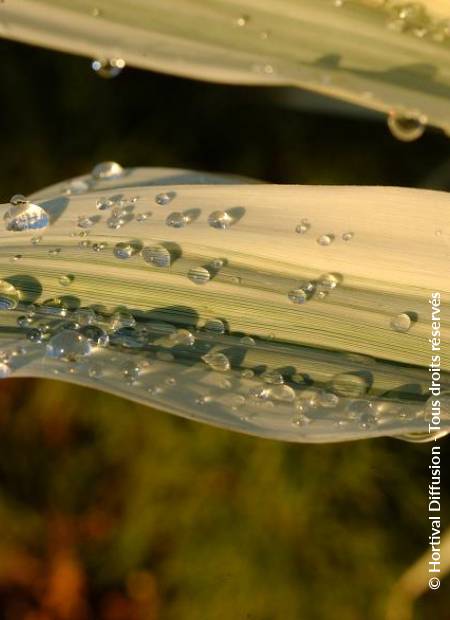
298 296
131 371
85 222
406 125
84 316
68 345
125 250
214 326
103 204
401 323
325 239
282 392
347 236
121 319
96 335
97 247
18 199
107 170
177 220
25 216
272 376
108 67
303 227
9 296
164 198
157 255
66 280
199 275
217 361
220 219
181 337
76 187
247 341
242 20
329 281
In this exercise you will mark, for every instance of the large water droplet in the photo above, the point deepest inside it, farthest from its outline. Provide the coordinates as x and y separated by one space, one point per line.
220 219
406 125
108 67
402 322
157 255
217 361
199 275
68 345
9 296
107 170
25 216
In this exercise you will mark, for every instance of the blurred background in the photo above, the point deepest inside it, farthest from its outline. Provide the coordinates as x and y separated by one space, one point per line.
113 511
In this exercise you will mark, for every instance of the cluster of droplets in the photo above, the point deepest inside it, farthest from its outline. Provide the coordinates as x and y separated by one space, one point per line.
315 289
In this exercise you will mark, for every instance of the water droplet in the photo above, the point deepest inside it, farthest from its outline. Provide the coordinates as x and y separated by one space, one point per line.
406 125
18 199
125 250
247 341
76 187
36 240
35 335
131 371
303 227
143 217
325 239
84 316
199 275
108 67
220 219
298 296
9 296
408 17
401 323
177 220
157 255
181 337
329 281
95 335
217 361
121 319
282 392
66 280
272 376
242 20
107 170
347 236
25 216
85 222
327 399
214 326
68 345
97 247
54 251
349 384
164 198
301 420
103 204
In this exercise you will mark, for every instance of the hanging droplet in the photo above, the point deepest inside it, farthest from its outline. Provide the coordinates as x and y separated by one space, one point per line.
108 67
401 323
199 275
9 296
107 170
25 216
66 280
406 125
217 361
68 345
157 255
221 220
164 198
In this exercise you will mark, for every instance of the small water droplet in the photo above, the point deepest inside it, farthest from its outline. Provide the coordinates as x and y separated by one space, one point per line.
76 187
406 125
247 341
326 239
5 370
67 279
85 222
68 345
242 20
157 255
214 326
95 335
54 251
298 296
108 67
217 361
164 198
303 227
107 170
25 216
282 392
402 322
97 247
347 236
121 319
329 281
272 376
181 337
103 204
199 275
18 199
36 240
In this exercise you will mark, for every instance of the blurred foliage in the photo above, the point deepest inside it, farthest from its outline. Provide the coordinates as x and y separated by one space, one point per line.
113 511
